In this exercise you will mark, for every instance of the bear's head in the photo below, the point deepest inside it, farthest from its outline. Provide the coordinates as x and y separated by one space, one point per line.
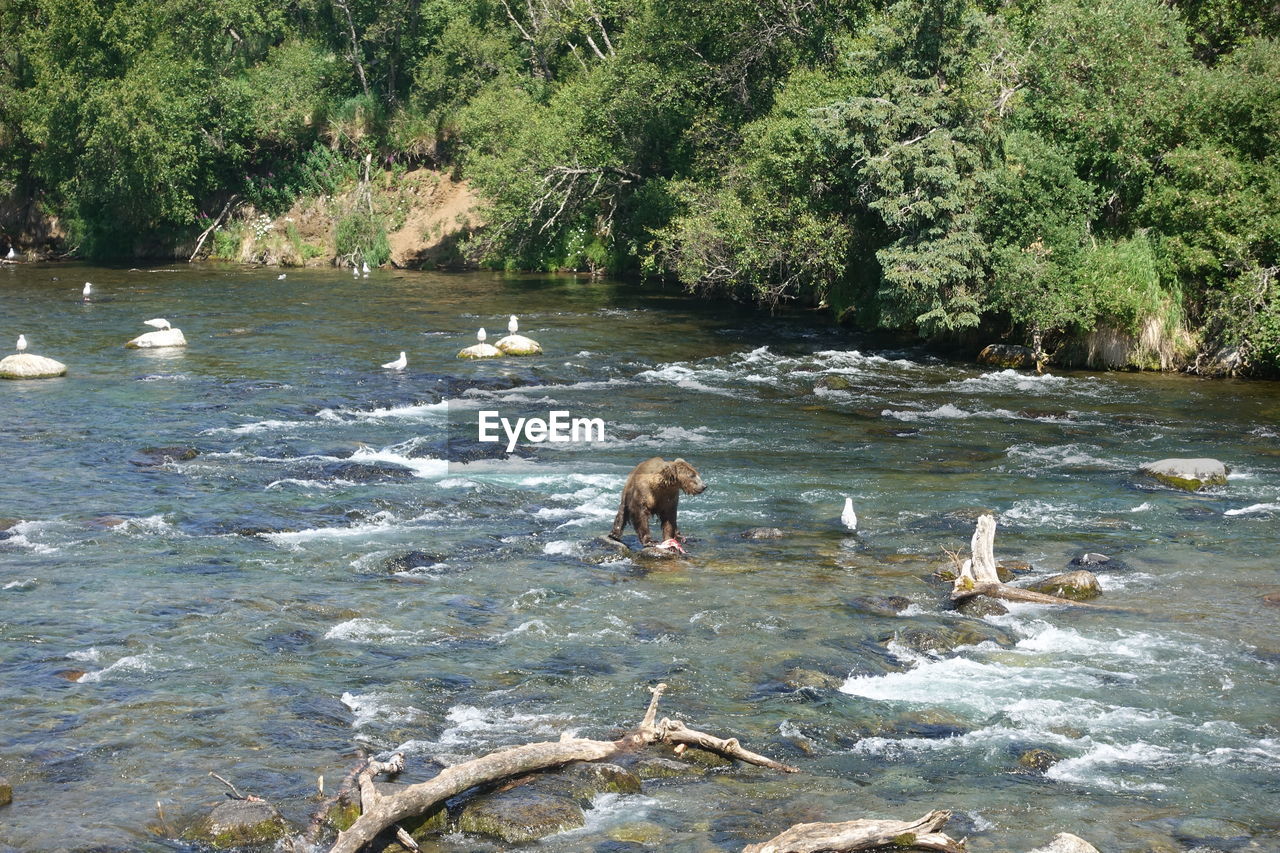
686 477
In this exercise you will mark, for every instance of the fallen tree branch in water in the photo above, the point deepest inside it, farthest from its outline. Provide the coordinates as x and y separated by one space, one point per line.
380 811
852 835
978 576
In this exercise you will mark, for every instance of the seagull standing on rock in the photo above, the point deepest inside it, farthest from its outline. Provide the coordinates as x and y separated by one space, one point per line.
513 325
399 364
481 335
159 323
849 518
88 289
22 343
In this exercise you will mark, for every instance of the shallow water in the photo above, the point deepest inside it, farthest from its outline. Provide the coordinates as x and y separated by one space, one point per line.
244 611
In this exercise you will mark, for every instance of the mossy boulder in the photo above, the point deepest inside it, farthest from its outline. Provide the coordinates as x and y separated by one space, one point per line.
1191 475
153 457
833 382
522 813
1038 760
1080 585
1007 356
763 533
26 366
240 823
519 345
981 606
656 767
480 351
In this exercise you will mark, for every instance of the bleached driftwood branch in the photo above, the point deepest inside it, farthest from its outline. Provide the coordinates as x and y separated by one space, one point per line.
381 811
978 576
862 835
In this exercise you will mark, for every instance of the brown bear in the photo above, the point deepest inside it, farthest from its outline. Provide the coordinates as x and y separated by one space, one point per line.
654 488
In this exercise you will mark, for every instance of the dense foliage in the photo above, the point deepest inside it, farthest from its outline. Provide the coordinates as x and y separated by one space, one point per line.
1035 168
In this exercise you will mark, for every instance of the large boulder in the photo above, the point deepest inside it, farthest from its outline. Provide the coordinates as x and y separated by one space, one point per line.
1189 474
26 366
1079 585
157 339
1008 356
1065 842
519 345
240 823
480 351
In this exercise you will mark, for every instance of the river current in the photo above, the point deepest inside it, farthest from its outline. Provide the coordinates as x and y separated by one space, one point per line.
329 571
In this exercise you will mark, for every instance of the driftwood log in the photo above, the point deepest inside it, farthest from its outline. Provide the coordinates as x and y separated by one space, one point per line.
380 812
920 834
977 575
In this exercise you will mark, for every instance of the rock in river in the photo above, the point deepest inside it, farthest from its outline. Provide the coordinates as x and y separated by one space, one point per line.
1189 474
1079 585
1008 356
240 823
157 339
26 366
519 345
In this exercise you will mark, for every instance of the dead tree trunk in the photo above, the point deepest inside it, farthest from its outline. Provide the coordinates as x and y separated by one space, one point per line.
862 835
978 576
380 812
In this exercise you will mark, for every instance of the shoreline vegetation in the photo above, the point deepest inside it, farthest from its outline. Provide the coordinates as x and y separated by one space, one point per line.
1096 183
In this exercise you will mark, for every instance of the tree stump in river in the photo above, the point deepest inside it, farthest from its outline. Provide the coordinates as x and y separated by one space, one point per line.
978 574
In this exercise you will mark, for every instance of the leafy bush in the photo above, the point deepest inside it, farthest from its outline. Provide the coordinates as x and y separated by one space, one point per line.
362 237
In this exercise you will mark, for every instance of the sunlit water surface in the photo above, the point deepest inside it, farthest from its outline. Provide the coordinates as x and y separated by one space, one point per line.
247 611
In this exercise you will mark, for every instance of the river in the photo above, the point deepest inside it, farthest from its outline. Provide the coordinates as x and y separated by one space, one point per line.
321 576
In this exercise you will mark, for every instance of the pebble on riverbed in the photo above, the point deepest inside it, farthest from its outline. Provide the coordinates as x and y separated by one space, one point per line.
26 366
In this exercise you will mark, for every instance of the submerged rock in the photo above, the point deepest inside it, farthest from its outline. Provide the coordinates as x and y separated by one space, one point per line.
763 533
6 792
1079 585
1038 760
240 823
1065 842
157 339
877 605
519 345
480 351
834 382
981 606
1189 474
1090 559
151 457
1007 356
26 366
656 767
523 813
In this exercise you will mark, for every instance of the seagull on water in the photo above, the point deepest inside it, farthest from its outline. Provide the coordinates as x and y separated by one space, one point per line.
159 322
88 289
399 364
849 518
280 277
22 343
365 268
513 325
481 335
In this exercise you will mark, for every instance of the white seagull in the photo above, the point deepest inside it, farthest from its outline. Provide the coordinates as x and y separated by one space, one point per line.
513 325
159 322
280 277
88 289
481 335
365 268
22 343
399 364
12 254
849 518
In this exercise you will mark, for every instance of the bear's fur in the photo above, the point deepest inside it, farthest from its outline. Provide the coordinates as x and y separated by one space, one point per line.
654 488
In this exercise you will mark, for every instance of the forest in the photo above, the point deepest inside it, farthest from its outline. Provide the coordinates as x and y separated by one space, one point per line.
1027 170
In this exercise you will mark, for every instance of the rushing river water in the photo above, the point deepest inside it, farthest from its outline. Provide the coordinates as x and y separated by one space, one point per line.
320 578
